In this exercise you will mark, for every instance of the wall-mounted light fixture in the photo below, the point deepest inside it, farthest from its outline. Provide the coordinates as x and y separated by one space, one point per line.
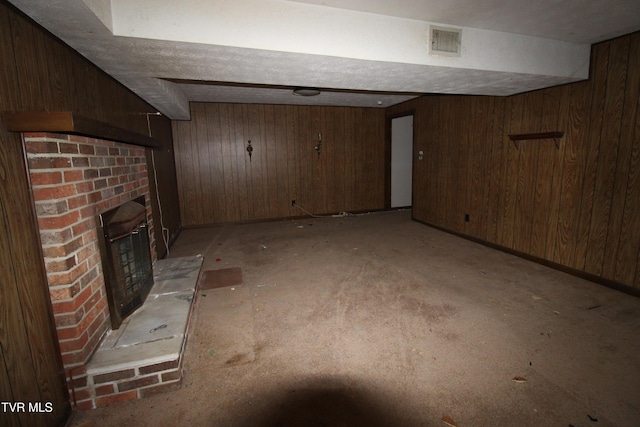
306 91
318 146
249 150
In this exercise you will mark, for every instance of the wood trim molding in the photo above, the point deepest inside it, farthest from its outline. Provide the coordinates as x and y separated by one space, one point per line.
72 123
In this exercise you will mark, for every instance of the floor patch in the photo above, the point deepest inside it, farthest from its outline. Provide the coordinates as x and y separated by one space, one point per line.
212 279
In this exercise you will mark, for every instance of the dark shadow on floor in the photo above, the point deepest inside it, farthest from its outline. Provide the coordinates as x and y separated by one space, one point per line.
329 403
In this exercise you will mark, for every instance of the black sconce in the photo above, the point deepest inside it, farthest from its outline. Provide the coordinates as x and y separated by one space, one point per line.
249 150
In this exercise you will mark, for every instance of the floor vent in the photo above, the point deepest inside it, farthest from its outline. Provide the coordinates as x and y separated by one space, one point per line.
445 41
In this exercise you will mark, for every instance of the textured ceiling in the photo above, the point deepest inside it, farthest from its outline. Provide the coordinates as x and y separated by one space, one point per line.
577 21
363 57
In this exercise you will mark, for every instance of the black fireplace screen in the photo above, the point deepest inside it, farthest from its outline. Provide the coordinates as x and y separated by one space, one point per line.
126 258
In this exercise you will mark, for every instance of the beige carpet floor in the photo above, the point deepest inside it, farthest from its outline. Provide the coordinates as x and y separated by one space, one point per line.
377 320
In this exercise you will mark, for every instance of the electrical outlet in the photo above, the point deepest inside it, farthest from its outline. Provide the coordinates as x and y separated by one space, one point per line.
466 217
293 203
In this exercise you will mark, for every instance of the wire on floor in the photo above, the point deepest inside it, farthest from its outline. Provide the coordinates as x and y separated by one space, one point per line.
344 214
340 215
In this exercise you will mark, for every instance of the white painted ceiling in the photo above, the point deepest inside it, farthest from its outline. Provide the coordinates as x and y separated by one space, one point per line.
371 53
578 21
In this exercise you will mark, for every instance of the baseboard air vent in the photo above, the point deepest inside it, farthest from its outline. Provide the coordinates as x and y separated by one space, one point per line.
445 41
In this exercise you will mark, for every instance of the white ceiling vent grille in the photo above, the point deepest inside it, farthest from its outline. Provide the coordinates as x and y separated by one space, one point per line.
445 41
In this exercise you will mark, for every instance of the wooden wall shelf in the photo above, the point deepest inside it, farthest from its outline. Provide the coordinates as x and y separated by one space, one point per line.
72 123
516 138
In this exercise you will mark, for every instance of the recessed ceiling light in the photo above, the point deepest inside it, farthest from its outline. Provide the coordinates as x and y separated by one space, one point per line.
306 91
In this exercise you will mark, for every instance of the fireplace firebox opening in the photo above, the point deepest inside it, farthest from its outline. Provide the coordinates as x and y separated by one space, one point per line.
126 258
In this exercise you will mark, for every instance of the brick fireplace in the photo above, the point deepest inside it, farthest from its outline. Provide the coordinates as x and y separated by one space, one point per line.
74 179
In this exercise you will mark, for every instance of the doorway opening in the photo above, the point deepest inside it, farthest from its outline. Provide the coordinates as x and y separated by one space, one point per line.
401 161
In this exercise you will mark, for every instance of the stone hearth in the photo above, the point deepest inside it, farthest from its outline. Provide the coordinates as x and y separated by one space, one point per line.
144 356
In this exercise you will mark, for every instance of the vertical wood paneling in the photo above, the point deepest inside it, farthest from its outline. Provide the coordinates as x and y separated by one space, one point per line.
14 335
629 243
318 171
285 185
512 159
625 146
181 134
577 205
600 62
459 160
480 158
631 221
572 174
323 159
547 202
349 159
28 63
259 177
238 151
609 141
338 200
449 153
527 171
465 169
163 185
27 346
289 149
50 76
38 72
494 164
637 281
436 145
363 156
8 72
505 157
329 148
426 182
544 174
232 161
374 157
229 165
421 206
203 185
553 205
8 419
347 175
58 79
468 167
306 156
223 178
248 161
186 186
271 162
359 163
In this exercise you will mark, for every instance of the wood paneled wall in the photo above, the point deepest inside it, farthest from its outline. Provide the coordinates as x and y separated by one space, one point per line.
218 182
38 72
46 75
577 206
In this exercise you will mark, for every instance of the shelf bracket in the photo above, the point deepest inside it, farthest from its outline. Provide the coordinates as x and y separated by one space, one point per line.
556 136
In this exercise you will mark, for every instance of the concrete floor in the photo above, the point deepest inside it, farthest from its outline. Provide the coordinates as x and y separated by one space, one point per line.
377 320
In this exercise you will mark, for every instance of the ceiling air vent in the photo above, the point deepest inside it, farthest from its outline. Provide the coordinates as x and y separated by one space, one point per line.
445 41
